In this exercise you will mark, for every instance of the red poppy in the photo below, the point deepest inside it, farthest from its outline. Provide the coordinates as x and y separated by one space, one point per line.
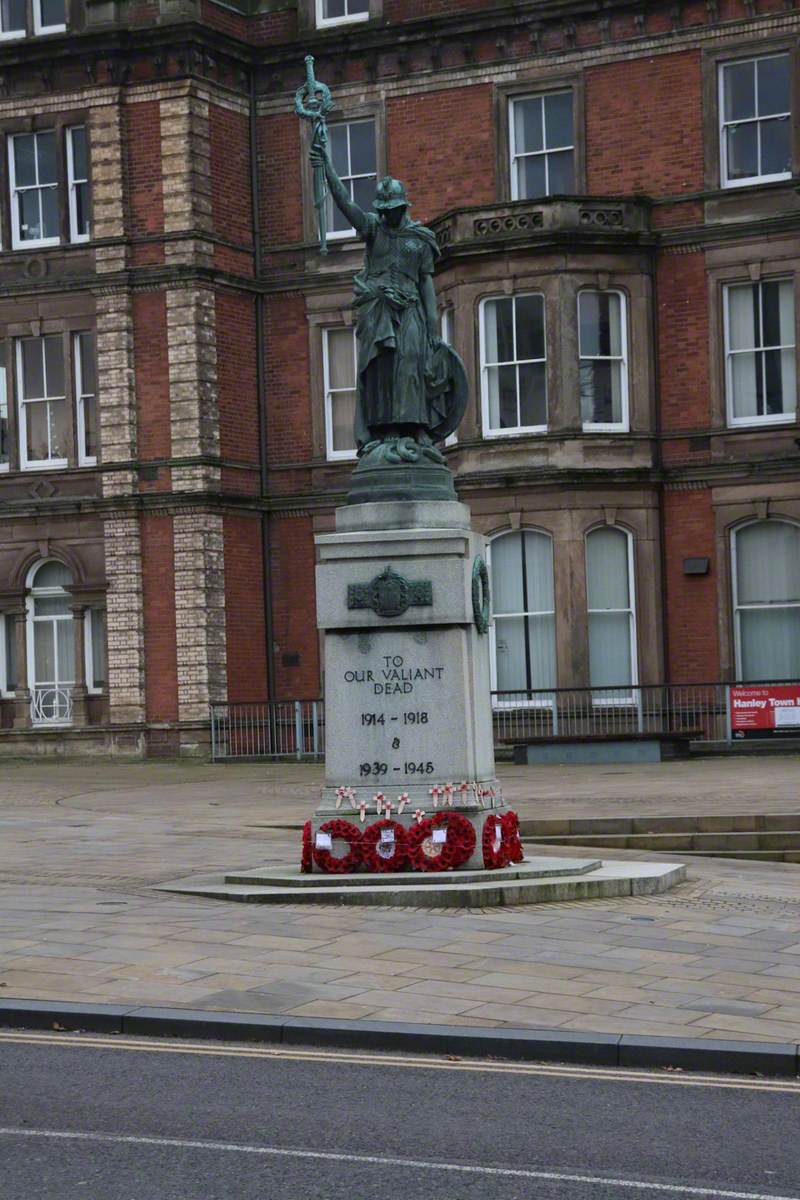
306 858
495 849
511 838
351 861
378 855
457 848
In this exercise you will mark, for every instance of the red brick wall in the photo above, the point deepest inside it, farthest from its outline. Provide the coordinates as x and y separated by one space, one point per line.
410 10
158 591
244 609
229 134
287 379
145 187
151 367
441 144
281 199
644 125
237 384
691 600
683 341
294 610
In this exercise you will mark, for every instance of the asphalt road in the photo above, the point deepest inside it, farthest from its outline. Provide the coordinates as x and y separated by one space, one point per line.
105 1118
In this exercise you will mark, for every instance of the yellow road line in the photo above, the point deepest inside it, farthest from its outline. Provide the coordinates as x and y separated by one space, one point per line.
377 1059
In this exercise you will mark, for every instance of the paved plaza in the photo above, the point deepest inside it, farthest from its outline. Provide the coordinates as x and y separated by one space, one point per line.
82 845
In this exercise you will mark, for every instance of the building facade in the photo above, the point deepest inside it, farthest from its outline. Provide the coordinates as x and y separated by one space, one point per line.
614 190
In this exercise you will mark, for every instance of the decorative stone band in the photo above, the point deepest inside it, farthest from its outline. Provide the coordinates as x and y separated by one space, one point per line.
390 594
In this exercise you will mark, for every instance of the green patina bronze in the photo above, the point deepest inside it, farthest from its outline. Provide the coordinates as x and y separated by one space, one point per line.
412 387
390 594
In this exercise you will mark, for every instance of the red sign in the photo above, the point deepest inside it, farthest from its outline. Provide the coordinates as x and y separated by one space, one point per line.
765 710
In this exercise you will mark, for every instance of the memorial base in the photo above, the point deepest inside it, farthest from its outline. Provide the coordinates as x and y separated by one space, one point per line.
410 782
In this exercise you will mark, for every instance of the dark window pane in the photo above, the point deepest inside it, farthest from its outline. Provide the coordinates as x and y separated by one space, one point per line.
743 151
562 173
773 85
36 431
12 14
531 179
362 148
32 371
530 327
86 351
90 427
357 6
58 428
499 331
532 394
739 90
597 392
53 12
776 155
364 193
773 383
80 167
528 125
49 212
507 380
4 443
11 653
30 225
771 313
25 160
589 321
333 8
337 144
46 155
82 209
558 120
98 648
54 365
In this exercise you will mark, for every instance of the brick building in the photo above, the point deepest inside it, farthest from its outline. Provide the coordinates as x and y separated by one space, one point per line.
614 190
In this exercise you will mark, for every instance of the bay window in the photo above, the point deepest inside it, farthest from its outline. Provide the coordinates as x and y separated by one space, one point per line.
760 352
513 365
766 600
610 596
523 638
603 351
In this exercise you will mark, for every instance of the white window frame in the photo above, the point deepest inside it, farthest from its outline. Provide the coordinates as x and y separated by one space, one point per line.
4 466
634 696
544 701
35 593
546 152
786 418
5 693
446 332
84 460
339 235
737 607
6 35
750 180
324 22
17 241
72 184
88 652
48 464
38 27
623 425
331 454
517 430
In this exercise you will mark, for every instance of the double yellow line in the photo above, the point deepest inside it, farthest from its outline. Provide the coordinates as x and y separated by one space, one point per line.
78 1041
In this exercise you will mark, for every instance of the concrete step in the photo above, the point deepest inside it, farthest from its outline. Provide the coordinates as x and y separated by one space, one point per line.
701 843
540 868
690 823
609 879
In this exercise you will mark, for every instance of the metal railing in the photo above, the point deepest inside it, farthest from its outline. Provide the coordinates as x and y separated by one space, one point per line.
51 705
701 710
296 728
278 729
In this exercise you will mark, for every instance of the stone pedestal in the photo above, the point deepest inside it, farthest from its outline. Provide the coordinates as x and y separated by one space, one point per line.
407 688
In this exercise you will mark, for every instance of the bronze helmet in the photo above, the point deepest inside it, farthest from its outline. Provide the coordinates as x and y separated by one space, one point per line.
391 193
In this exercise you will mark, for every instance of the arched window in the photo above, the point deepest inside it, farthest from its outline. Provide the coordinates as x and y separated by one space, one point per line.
766 600
51 643
610 596
524 638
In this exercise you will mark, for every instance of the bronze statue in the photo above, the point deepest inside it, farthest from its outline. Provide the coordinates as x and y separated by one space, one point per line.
412 387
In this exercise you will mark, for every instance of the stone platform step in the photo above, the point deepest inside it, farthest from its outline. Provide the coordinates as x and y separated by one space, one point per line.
602 880
542 868
782 845
556 827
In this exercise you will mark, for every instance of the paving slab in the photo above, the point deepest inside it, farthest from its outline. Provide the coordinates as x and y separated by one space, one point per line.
84 845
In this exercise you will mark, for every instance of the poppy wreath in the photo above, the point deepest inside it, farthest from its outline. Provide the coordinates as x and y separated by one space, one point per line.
511 839
495 846
352 860
306 858
455 851
372 859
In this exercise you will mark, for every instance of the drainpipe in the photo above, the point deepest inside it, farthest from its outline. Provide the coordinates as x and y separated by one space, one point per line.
261 370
